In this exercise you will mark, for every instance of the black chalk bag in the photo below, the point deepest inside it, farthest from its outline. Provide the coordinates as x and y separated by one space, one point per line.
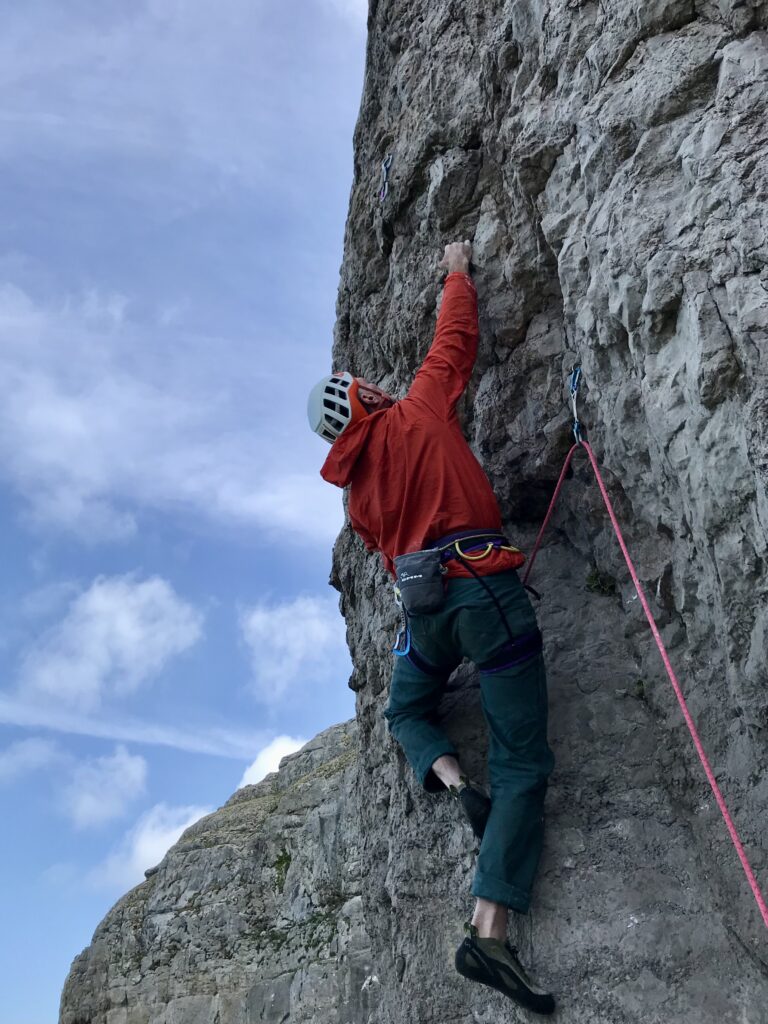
420 583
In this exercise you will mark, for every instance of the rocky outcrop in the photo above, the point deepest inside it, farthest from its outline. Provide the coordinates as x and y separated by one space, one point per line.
610 164
254 915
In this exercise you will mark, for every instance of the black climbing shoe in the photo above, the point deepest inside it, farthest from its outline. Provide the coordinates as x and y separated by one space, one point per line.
495 963
474 803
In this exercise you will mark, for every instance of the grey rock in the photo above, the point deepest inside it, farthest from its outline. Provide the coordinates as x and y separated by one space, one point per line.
610 163
254 915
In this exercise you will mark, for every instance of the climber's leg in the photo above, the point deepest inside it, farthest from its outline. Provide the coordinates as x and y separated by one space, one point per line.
519 762
411 715
448 770
491 919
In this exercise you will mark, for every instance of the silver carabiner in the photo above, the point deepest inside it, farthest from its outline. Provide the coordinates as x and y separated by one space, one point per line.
574 388
386 163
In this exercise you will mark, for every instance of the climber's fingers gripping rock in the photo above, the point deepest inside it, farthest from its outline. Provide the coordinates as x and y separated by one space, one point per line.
456 257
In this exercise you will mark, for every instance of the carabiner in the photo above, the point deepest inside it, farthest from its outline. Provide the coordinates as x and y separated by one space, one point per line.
386 163
574 389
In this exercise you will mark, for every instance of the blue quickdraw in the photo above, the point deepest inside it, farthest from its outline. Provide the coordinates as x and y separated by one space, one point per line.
574 389
403 636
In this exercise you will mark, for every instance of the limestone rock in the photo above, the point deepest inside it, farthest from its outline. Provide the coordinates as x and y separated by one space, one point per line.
254 915
614 184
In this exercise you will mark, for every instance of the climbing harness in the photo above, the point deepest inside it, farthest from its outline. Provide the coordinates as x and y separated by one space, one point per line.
581 443
386 163
519 650
419 572
451 545
490 540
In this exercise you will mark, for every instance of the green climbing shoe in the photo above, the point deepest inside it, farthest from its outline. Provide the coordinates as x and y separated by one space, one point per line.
495 963
474 803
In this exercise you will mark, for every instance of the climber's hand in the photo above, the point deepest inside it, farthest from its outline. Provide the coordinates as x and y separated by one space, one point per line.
456 258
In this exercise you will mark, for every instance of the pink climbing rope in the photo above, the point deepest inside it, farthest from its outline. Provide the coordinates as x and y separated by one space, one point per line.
664 657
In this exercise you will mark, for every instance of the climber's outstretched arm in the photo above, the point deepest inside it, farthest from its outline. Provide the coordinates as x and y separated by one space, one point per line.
447 368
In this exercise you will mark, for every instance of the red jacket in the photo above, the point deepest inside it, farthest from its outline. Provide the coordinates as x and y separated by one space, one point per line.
411 475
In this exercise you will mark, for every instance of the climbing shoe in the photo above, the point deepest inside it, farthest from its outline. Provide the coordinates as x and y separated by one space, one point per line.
474 803
495 963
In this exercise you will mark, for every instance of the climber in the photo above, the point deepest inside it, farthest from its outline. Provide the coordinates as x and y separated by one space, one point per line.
415 486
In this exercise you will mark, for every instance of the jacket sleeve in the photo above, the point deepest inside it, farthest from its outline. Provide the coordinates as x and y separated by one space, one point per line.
445 372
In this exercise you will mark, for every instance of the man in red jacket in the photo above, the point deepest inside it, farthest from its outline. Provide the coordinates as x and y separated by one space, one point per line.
415 485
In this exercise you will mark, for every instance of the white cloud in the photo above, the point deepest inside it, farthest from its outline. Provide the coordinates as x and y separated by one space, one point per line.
101 789
97 423
145 845
115 637
294 644
270 757
26 756
217 741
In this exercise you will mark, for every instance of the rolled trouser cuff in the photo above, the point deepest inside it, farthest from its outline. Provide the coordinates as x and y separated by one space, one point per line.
487 888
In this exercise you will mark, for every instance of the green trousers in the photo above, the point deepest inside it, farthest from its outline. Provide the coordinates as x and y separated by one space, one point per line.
514 702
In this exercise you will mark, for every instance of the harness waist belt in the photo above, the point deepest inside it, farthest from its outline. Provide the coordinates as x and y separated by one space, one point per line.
487 539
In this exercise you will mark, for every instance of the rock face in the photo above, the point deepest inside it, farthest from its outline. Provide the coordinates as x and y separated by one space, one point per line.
610 164
254 915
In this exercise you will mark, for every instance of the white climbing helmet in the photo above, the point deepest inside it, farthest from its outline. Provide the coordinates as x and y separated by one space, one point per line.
333 404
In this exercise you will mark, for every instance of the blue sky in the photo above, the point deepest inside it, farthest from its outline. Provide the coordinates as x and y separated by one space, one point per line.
174 179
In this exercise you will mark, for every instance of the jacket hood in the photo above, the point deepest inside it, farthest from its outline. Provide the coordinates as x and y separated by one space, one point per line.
347 449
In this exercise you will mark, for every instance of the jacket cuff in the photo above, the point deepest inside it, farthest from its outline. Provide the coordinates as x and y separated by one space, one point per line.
464 277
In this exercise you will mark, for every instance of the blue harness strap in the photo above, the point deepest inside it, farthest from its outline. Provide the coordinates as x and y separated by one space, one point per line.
515 652
403 648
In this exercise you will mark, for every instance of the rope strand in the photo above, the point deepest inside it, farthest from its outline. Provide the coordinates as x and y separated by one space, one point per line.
664 657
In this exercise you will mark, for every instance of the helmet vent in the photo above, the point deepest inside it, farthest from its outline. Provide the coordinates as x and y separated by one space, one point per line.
336 407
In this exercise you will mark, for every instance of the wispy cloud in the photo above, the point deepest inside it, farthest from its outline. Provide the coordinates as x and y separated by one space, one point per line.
101 789
217 741
185 86
145 845
126 123
293 644
116 636
48 599
270 757
139 78
90 433
25 756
